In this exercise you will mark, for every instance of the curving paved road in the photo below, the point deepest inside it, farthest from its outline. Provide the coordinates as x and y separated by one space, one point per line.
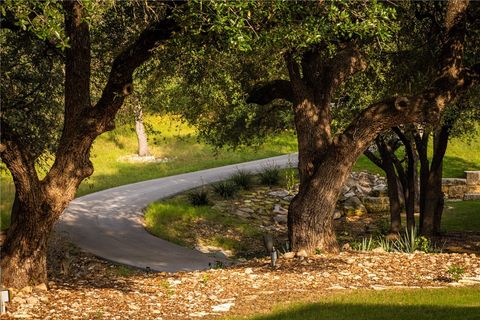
109 223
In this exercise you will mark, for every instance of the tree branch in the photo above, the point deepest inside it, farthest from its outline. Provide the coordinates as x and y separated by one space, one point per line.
266 93
426 106
372 157
119 83
344 65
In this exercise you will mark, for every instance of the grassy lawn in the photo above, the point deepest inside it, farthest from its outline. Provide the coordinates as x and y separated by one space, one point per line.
461 216
173 219
425 304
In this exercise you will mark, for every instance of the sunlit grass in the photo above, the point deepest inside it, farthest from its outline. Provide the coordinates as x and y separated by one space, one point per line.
424 304
177 221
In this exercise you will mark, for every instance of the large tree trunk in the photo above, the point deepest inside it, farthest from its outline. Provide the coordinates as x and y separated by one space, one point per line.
141 134
325 162
310 214
24 251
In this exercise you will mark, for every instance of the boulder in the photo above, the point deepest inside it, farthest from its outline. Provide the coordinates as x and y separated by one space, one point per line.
379 190
337 214
280 219
473 177
353 206
376 204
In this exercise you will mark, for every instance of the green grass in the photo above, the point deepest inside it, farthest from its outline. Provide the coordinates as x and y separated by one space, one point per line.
461 156
176 220
171 139
461 216
424 304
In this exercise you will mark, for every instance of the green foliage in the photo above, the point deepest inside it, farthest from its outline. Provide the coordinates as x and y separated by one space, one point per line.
291 179
408 242
242 179
456 272
270 175
366 244
225 189
198 197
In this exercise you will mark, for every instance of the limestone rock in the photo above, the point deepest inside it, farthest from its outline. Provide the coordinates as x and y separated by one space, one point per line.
289 255
380 190
473 177
353 206
302 253
280 219
41 287
279 209
376 204
337 214
279 193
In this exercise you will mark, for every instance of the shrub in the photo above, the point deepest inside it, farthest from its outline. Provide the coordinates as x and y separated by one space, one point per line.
270 176
456 272
225 189
242 179
198 197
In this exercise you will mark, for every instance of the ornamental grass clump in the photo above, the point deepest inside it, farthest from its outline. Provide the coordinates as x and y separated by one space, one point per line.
225 189
242 179
270 176
198 197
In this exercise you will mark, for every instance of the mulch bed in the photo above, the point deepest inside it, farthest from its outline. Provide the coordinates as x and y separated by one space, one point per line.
97 289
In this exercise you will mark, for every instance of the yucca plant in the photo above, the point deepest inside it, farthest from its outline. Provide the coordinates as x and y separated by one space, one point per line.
366 244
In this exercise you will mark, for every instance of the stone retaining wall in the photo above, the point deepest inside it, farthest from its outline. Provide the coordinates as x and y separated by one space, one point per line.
466 189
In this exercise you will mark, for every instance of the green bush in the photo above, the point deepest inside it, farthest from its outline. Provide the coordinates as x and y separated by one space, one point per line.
242 179
225 189
198 198
456 272
270 176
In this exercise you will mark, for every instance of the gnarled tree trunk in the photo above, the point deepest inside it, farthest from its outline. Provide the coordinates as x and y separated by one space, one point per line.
39 203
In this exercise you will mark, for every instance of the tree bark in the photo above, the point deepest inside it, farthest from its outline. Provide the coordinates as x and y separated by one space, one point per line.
410 185
140 131
387 154
434 198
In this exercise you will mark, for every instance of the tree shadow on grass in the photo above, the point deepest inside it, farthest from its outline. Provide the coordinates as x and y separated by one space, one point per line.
348 311
454 167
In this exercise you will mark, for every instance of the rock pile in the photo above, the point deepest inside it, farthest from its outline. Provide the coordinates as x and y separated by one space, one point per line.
364 192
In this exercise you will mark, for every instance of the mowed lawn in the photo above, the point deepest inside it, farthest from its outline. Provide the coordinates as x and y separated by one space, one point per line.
405 304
